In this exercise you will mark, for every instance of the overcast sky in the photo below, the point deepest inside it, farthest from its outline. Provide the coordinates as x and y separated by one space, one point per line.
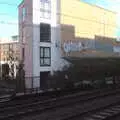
9 14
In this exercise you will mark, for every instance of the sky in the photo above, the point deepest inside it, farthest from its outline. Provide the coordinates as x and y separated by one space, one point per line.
9 17
9 14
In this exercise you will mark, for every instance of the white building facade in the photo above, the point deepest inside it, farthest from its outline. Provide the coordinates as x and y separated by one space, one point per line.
39 31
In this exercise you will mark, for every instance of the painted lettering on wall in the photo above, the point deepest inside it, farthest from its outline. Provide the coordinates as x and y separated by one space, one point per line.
73 46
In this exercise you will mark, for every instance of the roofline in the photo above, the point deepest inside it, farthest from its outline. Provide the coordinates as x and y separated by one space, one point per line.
21 3
99 7
85 3
7 43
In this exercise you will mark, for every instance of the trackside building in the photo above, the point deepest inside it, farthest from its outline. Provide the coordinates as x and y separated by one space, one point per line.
51 30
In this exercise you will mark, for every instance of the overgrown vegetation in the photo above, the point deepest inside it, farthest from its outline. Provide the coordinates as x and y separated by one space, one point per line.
9 82
90 75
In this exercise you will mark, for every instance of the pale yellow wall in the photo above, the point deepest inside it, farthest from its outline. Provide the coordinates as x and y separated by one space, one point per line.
87 19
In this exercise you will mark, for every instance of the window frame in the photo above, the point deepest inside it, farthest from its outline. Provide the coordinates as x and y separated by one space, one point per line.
43 10
44 57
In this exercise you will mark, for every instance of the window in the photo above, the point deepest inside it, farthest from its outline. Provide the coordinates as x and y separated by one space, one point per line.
45 32
15 38
23 54
10 46
45 9
45 56
23 13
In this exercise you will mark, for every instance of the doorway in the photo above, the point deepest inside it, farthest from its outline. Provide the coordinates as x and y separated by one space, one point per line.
43 79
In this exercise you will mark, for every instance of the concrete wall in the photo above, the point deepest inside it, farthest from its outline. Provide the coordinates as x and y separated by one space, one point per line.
88 20
81 22
26 38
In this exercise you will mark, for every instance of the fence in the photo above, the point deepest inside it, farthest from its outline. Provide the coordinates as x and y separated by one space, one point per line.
32 84
26 85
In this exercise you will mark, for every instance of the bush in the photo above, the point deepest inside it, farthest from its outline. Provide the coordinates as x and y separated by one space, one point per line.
77 73
57 80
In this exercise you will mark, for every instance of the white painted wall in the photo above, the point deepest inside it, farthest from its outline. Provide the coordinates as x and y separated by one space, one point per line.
57 62
36 41
32 42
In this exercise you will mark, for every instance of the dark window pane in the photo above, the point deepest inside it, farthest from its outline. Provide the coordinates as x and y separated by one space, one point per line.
45 32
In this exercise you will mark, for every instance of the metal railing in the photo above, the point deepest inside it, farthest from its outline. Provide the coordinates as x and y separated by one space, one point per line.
33 84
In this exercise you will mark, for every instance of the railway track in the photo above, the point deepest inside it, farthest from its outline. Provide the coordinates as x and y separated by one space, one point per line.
5 98
13 101
41 97
43 106
103 113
